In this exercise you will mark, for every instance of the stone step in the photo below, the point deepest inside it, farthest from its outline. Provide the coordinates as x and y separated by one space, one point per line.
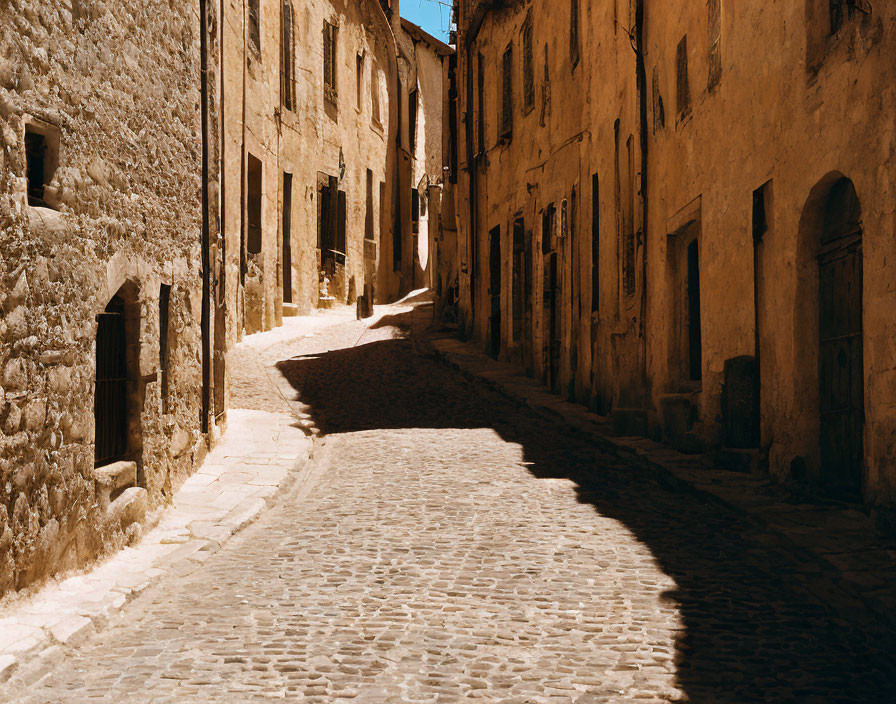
130 507
111 478
290 310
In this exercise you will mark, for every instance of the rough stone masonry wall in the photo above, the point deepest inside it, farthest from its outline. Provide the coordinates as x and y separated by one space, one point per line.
120 81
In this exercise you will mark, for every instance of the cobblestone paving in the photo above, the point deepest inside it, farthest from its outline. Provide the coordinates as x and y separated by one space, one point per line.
458 547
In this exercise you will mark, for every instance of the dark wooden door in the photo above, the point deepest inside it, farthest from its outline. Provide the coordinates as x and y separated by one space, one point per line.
551 321
287 235
841 380
494 265
110 401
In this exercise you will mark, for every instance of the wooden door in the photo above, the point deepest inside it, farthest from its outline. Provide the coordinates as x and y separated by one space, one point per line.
494 265
841 379
110 400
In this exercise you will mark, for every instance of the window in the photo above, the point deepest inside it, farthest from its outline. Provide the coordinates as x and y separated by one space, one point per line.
415 208
413 99
546 90
35 167
359 79
253 205
41 160
368 213
287 58
330 92
659 110
840 11
684 90
715 43
375 95
255 25
164 312
507 93
574 32
628 244
528 68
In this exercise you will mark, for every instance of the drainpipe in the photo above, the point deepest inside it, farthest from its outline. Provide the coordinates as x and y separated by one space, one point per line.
641 79
206 302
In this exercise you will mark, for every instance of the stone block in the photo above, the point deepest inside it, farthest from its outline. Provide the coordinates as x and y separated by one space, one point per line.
130 507
113 477
72 630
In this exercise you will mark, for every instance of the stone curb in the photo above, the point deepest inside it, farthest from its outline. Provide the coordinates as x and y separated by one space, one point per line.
37 634
827 582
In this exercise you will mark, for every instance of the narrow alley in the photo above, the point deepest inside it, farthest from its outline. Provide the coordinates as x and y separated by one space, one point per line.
448 544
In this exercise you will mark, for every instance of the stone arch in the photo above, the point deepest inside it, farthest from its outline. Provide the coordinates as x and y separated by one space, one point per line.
828 366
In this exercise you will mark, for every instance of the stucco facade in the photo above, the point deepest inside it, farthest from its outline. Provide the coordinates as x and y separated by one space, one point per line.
703 208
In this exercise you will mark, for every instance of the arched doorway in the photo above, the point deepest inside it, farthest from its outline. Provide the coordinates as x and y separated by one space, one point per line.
840 352
111 399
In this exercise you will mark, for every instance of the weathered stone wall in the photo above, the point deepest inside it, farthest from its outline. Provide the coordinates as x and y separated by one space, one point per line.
794 107
339 139
119 84
775 100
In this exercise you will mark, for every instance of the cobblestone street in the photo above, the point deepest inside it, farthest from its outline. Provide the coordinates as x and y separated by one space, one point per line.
453 545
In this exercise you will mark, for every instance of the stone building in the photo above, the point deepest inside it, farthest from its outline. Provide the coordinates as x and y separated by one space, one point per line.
421 64
682 214
308 129
104 326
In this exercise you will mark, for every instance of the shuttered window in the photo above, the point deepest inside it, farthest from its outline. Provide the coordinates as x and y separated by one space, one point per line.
507 93
684 89
287 58
528 68
330 92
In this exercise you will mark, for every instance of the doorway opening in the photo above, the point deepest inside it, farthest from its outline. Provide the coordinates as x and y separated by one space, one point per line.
840 352
494 265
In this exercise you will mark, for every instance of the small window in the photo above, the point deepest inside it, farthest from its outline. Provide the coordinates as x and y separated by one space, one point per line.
684 89
507 93
659 110
288 58
415 208
528 68
574 32
255 25
41 158
330 92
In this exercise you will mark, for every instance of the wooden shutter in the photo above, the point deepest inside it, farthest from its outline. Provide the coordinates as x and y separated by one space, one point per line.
340 223
507 94
684 90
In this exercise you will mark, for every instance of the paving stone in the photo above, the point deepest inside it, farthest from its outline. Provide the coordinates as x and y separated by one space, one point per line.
451 544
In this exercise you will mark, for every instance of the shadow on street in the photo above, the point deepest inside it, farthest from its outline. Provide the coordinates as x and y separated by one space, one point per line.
753 631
